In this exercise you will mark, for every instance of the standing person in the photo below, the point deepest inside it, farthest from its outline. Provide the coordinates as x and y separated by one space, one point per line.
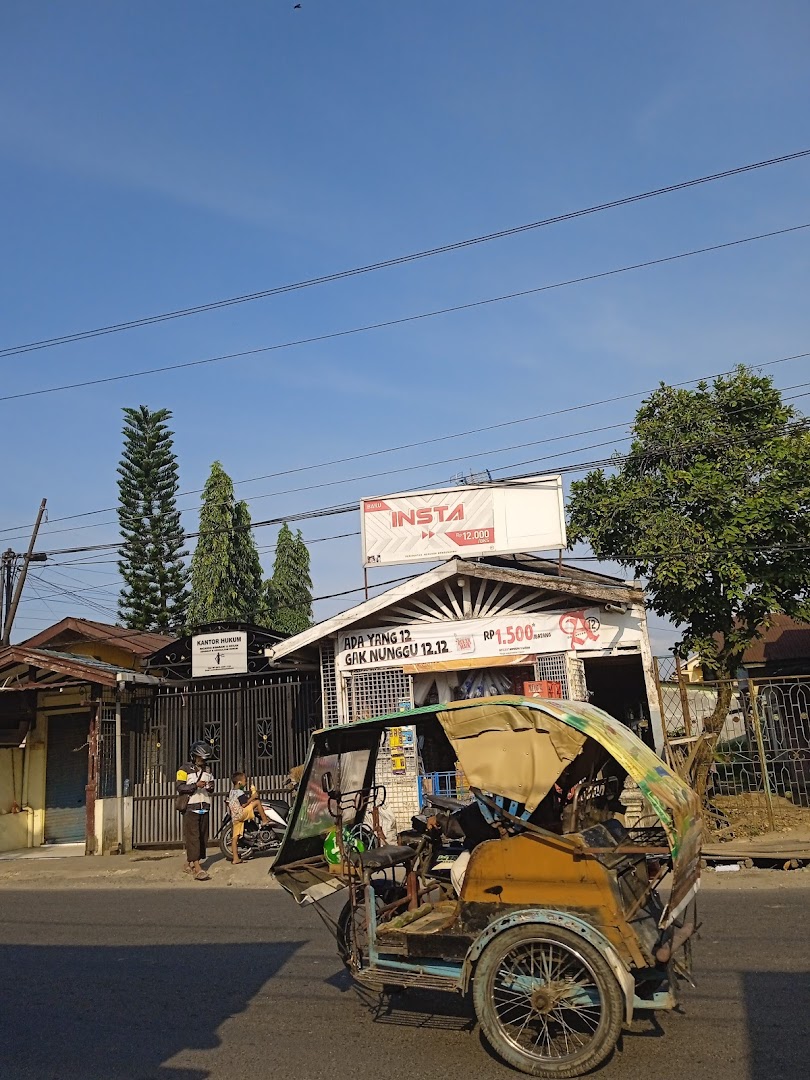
196 781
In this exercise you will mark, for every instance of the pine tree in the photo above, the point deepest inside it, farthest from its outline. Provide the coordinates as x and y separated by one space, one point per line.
154 596
290 591
226 574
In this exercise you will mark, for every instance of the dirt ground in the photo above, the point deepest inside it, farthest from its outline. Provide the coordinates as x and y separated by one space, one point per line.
747 814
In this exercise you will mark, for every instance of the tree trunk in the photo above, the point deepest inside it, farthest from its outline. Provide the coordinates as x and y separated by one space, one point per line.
706 747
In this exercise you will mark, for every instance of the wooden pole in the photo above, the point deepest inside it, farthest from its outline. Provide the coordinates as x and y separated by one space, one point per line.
12 610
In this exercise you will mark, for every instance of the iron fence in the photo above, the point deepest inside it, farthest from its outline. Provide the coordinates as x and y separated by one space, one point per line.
759 767
261 729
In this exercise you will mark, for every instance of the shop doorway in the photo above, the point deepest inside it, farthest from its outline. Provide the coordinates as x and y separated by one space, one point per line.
66 778
616 684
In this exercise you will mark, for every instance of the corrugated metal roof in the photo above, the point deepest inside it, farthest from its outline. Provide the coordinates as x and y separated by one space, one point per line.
138 642
81 668
785 639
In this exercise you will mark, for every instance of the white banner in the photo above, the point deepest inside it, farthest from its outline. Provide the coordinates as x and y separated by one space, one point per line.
503 518
219 654
501 635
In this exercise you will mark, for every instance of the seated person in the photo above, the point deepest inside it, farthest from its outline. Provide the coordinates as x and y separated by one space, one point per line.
468 825
242 807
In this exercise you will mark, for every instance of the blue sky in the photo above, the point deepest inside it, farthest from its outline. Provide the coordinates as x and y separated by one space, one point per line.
166 154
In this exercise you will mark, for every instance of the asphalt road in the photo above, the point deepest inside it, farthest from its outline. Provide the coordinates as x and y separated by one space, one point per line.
103 984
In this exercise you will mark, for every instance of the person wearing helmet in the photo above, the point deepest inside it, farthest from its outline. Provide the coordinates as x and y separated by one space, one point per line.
195 779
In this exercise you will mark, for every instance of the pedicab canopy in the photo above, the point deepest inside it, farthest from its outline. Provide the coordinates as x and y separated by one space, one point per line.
517 748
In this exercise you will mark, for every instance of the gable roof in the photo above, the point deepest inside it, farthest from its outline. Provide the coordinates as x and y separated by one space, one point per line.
576 584
138 642
785 639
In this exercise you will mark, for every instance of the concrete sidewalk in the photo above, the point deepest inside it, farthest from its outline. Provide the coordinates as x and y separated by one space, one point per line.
162 869
138 869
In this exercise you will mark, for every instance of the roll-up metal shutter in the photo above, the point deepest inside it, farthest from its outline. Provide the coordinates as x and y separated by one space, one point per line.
66 777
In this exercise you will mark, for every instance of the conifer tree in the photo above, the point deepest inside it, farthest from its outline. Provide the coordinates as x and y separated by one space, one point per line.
226 574
290 589
154 595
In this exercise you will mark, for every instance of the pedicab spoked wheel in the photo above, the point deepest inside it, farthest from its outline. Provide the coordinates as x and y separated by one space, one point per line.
351 923
547 1001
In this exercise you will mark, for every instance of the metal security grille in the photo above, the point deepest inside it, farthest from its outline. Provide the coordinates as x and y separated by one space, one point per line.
374 693
577 684
329 685
106 752
262 729
552 668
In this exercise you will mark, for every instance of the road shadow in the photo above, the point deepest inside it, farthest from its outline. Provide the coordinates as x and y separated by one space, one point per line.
777 1007
97 1012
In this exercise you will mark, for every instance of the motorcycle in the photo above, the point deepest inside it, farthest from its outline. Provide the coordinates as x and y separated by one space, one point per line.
258 837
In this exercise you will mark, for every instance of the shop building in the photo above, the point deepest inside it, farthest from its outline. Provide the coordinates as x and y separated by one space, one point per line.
67 696
469 628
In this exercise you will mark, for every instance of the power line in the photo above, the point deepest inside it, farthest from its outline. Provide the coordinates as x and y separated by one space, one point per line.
450 460
387 323
400 260
616 459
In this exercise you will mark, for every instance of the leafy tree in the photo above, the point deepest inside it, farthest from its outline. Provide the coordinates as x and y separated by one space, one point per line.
151 563
226 575
711 507
288 595
247 565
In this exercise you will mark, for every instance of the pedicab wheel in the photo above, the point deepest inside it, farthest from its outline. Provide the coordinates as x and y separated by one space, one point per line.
351 923
547 1001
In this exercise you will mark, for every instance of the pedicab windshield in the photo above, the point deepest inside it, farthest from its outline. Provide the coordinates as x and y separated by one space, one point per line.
330 772
509 747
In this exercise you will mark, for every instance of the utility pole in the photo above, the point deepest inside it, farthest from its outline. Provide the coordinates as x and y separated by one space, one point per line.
9 559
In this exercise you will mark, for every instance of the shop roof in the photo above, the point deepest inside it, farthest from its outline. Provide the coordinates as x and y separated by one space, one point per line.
23 668
539 576
138 642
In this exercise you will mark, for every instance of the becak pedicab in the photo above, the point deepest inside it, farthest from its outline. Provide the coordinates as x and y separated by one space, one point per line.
553 919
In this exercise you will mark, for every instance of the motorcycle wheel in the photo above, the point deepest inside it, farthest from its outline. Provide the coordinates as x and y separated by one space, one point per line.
244 850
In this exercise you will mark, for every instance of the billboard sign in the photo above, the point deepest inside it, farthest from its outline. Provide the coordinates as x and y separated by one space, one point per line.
471 640
502 518
219 654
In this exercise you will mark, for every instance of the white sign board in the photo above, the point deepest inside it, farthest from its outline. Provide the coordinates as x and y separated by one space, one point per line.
219 654
495 519
501 635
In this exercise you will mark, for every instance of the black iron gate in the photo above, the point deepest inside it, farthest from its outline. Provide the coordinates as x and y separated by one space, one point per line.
259 726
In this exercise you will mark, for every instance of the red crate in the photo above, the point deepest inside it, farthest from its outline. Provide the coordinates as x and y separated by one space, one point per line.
543 688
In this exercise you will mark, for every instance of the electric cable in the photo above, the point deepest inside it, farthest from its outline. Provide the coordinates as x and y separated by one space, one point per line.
387 323
400 260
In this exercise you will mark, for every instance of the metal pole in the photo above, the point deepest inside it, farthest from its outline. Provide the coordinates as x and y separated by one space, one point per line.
763 764
12 610
119 773
687 717
365 580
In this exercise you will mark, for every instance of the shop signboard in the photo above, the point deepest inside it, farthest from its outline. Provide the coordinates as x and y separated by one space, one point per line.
493 519
499 636
219 654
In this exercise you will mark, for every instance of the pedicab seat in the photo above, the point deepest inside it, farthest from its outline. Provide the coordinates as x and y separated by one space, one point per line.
382 858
